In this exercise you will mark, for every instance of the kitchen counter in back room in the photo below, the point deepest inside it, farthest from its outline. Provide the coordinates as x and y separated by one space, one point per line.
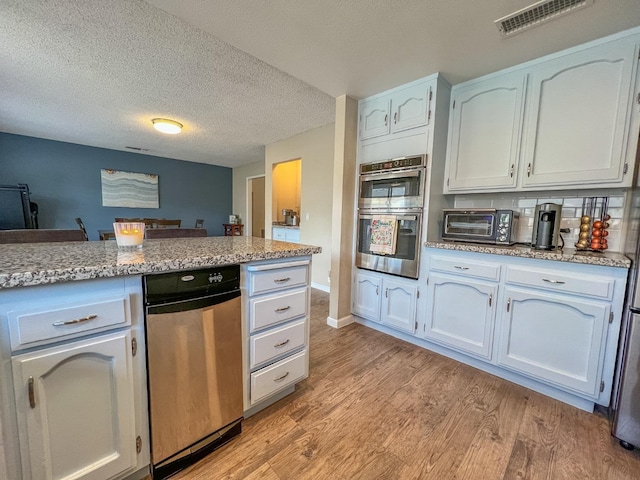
44 263
608 259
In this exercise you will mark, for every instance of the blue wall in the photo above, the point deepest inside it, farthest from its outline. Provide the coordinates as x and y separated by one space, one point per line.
64 180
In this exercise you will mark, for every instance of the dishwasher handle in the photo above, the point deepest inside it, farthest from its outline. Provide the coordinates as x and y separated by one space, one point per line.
193 304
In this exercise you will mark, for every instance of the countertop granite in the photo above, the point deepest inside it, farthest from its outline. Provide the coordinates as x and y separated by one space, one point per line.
284 225
606 259
42 263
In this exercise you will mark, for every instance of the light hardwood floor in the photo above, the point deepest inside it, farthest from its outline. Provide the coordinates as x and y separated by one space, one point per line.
375 407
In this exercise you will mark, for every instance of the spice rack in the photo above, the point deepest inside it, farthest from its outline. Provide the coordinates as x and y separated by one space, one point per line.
594 224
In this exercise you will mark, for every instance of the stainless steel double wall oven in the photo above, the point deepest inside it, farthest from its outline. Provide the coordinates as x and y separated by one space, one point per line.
390 204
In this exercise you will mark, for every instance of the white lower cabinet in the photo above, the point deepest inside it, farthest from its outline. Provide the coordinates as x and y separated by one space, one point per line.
554 338
399 305
75 409
382 298
275 329
77 376
286 234
550 325
461 313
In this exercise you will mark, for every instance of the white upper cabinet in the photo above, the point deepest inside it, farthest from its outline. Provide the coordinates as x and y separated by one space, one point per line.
485 125
578 117
562 122
401 109
374 118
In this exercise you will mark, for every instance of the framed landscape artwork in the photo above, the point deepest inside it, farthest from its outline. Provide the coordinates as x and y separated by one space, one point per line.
128 189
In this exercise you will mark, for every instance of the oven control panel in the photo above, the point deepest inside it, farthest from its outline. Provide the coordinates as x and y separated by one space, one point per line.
402 162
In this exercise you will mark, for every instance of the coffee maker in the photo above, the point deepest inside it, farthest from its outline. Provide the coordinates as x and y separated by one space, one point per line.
290 216
546 226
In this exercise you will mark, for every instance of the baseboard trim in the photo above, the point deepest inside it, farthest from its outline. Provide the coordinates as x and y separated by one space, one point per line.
341 322
324 288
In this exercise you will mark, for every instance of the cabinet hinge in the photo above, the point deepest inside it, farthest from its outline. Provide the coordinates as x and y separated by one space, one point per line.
454 105
416 327
625 169
427 280
417 293
430 94
134 346
429 116
610 317
138 444
602 386
447 182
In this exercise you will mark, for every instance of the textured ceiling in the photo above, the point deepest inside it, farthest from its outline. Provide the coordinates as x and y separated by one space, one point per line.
95 72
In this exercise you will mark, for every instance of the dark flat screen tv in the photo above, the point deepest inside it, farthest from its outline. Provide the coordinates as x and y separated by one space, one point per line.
15 207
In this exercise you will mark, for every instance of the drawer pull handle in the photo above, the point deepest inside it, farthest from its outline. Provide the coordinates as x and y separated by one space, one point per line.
557 282
508 303
282 344
281 378
281 280
283 309
32 394
62 323
460 268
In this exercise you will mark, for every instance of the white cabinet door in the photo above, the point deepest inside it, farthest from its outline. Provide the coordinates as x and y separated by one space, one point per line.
374 118
578 116
76 409
484 134
410 108
461 313
279 234
555 338
366 296
399 305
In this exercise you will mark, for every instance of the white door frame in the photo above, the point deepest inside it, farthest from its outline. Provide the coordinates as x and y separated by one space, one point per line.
248 223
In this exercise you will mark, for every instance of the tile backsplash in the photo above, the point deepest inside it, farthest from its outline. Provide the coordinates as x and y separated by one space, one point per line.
571 212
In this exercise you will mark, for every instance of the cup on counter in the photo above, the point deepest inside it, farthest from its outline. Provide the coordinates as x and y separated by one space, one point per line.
129 235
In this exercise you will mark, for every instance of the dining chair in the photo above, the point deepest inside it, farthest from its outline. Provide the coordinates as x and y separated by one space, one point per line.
175 233
199 222
33 235
81 225
163 223
127 220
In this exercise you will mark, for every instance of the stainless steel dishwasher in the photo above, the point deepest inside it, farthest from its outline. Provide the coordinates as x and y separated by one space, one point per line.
194 363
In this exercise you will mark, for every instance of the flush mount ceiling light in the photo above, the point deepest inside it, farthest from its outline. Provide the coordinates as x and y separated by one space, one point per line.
165 125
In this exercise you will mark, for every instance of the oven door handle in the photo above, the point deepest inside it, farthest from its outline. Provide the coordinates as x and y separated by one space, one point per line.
371 177
412 218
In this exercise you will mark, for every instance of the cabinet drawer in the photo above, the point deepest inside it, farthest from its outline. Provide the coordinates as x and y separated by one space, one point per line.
277 279
274 309
28 328
273 378
489 271
588 285
274 343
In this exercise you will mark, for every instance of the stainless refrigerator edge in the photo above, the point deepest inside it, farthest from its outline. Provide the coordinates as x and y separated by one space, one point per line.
626 400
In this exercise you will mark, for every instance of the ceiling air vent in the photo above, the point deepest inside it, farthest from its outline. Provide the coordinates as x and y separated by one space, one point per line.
536 14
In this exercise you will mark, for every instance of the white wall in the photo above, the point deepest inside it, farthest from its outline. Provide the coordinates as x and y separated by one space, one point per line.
240 175
316 150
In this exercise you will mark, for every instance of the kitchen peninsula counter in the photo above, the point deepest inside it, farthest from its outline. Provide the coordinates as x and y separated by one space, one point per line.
607 259
45 263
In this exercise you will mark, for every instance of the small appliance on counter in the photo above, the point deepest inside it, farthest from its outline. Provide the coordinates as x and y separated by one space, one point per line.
546 226
480 225
290 217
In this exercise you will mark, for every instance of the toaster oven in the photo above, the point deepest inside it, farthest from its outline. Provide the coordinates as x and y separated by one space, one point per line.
484 225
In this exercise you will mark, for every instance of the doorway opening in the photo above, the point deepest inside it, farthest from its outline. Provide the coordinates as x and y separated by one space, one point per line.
255 206
286 179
